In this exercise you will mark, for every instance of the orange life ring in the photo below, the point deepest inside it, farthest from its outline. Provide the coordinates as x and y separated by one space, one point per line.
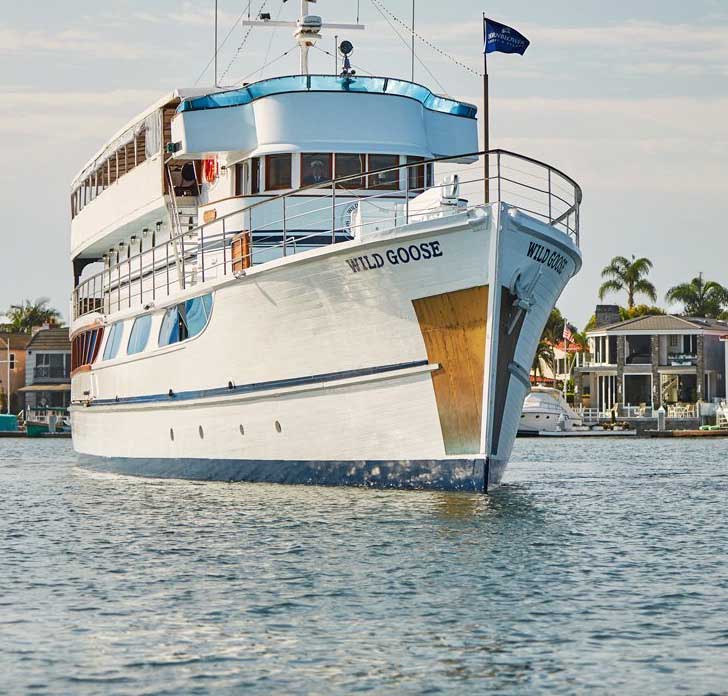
209 169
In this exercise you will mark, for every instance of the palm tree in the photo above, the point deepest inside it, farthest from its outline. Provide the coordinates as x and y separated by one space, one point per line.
24 316
623 274
700 298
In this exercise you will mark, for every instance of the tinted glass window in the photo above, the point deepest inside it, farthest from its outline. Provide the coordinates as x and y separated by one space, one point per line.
277 172
194 315
416 174
139 335
315 168
384 180
111 349
169 331
347 165
185 320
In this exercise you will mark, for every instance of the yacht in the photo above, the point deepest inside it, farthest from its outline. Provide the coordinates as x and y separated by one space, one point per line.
546 410
314 278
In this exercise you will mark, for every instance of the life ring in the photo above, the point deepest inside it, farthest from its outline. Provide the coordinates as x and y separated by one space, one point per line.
209 169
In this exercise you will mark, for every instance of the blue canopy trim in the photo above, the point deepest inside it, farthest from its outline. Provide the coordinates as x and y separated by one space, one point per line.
329 83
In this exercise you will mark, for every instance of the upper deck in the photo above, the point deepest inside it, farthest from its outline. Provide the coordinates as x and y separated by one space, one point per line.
129 183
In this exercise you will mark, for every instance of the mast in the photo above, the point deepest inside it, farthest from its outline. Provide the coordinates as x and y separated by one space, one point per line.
307 31
215 43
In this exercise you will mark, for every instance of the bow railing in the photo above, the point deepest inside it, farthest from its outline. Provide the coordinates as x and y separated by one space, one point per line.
147 269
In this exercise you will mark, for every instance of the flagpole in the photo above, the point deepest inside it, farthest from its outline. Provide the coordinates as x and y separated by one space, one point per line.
486 118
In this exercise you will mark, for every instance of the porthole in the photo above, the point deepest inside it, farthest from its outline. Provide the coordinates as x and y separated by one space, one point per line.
171 434
242 430
278 427
201 432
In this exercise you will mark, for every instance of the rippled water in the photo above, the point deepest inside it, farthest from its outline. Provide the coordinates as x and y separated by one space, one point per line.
599 565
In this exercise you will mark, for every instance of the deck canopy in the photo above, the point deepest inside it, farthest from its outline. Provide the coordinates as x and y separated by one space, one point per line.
324 113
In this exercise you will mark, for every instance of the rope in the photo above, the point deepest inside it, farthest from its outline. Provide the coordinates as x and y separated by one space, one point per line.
272 35
245 38
283 55
353 65
425 41
227 36
404 41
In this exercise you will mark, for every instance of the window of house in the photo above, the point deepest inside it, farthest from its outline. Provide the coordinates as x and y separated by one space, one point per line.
690 345
113 342
12 361
139 334
348 165
277 172
384 181
185 320
315 168
674 341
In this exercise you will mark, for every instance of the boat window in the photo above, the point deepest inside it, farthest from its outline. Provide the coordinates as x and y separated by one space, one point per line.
240 178
139 334
315 168
255 175
185 320
347 165
420 177
277 172
384 181
113 342
85 347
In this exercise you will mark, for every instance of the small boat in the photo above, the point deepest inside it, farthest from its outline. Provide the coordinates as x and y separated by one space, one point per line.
46 421
546 410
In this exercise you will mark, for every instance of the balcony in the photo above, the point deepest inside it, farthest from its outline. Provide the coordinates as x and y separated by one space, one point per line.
681 360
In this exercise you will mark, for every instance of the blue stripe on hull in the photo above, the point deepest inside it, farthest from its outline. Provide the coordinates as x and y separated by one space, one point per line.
435 474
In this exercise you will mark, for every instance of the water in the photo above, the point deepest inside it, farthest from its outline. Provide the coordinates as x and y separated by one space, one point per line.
601 565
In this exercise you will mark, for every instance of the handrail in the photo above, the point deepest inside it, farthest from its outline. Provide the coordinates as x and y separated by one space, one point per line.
93 293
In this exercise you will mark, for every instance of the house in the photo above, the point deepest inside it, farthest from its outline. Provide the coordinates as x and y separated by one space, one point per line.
641 364
48 369
13 348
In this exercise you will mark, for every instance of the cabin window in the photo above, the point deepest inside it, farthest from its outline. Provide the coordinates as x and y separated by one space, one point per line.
240 178
315 168
255 175
185 320
84 349
348 165
420 177
113 342
139 334
384 181
277 172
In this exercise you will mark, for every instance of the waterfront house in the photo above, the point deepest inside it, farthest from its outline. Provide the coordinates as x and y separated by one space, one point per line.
641 364
13 347
48 369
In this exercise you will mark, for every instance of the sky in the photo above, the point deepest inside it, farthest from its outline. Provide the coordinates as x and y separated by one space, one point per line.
628 98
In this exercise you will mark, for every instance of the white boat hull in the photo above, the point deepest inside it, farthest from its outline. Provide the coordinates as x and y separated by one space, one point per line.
346 364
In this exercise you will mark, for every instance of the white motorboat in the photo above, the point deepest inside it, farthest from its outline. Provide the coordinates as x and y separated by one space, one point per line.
546 410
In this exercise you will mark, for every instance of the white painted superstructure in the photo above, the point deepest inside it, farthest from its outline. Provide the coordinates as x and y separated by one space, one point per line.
546 410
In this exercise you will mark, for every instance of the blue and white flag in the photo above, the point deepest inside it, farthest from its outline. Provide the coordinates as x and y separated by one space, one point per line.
503 39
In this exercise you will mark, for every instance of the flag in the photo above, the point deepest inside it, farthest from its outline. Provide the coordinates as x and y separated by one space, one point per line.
568 334
504 39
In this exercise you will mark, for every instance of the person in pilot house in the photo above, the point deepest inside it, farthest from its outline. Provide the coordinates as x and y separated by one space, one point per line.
315 173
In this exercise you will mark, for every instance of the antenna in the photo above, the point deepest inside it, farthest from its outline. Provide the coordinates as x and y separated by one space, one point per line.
307 30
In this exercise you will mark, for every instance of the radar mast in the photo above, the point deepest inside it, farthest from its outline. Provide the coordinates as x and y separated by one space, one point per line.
307 30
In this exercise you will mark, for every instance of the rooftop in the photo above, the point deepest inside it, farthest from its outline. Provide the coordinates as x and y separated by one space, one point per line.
17 341
665 322
56 338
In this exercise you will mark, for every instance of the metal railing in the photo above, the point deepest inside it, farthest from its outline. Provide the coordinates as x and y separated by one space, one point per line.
298 220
